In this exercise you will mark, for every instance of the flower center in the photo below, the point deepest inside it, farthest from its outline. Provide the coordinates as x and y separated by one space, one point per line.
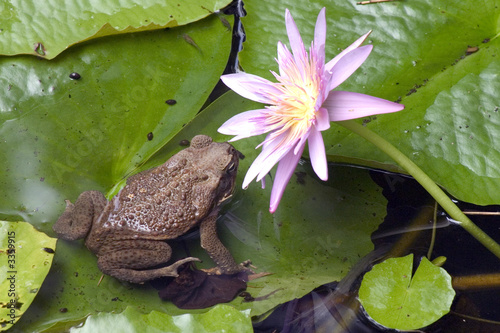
295 109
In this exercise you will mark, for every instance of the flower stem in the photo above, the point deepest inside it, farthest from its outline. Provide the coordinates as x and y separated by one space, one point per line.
437 193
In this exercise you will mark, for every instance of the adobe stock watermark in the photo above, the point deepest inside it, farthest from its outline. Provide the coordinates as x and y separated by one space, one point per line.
11 277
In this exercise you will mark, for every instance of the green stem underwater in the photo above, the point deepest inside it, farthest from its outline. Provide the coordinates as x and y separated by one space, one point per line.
437 193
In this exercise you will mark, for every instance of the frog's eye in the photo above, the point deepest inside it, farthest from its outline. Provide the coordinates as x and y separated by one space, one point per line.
231 168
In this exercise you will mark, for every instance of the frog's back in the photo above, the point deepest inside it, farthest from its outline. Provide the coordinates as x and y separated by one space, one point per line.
162 203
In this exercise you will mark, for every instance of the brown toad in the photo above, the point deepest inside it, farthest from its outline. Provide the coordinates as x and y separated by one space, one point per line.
128 233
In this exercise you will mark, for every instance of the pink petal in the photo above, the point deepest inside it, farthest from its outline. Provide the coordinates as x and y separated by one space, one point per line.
302 142
271 153
344 105
351 47
320 33
270 162
251 86
348 65
296 44
284 59
283 174
253 171
273 157
317 154
322 119
245 124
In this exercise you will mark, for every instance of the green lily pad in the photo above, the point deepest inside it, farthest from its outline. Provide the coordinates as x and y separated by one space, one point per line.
450 124
46 29
396 299
219 319
26 259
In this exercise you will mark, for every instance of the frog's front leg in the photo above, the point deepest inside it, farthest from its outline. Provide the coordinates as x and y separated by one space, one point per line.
215 249
77 219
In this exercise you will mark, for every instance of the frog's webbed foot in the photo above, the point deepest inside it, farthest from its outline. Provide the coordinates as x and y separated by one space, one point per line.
247 264
246 267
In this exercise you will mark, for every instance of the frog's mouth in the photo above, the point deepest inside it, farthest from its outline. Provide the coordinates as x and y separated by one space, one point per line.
227 184
227 189
226 197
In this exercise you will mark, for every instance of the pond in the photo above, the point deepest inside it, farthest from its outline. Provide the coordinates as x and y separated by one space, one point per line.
95 93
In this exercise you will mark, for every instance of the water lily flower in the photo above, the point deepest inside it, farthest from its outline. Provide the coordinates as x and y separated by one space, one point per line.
300 105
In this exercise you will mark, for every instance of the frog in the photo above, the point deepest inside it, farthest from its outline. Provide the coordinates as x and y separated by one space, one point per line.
129 233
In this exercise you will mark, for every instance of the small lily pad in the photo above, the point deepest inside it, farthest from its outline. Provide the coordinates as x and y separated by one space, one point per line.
395 299
222 318
26 256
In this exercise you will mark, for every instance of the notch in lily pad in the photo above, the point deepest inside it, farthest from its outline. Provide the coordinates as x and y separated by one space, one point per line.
396 299
39 49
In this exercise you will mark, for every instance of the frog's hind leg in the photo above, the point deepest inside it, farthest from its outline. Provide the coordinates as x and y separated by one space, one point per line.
131 260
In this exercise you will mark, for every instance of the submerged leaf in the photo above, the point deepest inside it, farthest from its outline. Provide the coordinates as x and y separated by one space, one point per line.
195 289
395 299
